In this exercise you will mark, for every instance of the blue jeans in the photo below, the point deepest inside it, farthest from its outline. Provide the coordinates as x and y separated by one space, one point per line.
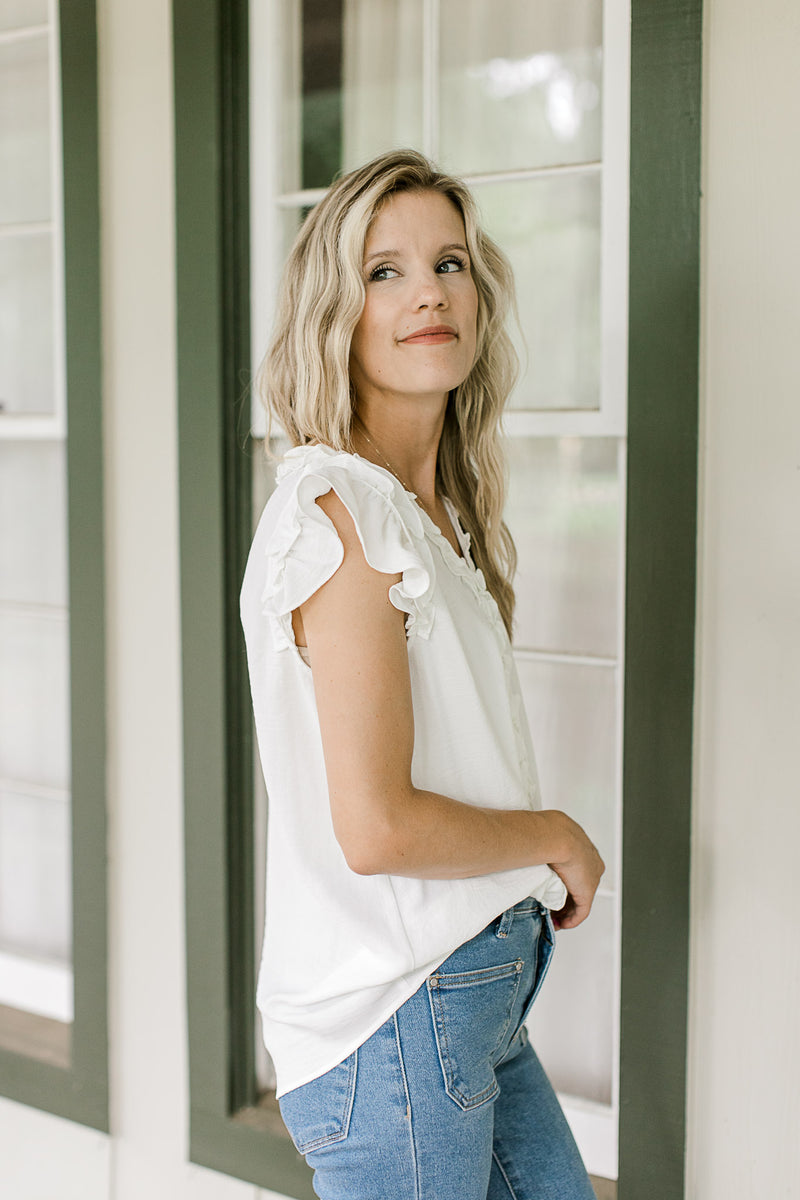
447 1100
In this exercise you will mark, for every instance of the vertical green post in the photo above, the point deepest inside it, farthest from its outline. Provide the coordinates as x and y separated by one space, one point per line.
660 600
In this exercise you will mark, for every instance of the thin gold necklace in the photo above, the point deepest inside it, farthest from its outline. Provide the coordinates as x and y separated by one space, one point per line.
381 455
399 478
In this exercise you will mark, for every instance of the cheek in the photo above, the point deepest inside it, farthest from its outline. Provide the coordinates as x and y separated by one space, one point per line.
364 354
364 332
470 302
360 339
474 324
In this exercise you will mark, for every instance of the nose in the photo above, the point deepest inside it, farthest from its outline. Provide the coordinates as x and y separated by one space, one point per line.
430 292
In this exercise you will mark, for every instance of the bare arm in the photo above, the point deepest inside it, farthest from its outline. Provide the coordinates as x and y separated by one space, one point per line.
363 693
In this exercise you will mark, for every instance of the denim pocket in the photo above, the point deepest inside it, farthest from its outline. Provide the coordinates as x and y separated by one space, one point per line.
318 1113
472 1013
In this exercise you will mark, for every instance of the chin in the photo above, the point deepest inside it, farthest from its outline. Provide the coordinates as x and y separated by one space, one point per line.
438 381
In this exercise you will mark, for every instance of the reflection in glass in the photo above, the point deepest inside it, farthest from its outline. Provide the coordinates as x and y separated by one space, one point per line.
382 102
351 85
24 130
321 90
550 230
572 1020
26 324
33 536
520 84
563 510
572 715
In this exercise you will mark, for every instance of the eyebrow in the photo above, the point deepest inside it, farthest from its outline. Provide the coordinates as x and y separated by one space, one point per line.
397 253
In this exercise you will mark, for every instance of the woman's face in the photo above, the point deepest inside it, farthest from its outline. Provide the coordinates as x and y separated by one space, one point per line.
417 333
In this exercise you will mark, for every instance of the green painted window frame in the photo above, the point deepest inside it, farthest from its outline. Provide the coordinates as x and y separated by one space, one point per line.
79 1091
228 1132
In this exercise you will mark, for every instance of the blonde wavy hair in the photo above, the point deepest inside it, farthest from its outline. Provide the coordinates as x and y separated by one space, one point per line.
304 380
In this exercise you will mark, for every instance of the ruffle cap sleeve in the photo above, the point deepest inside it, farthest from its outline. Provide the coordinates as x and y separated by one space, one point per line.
303 549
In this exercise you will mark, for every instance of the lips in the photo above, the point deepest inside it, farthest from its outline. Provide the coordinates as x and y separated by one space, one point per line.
431 335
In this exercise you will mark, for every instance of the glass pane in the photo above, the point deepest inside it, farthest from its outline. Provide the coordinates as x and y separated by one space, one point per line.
285 227
573 720
382 102
35 899
321 91
26 325
24 130
350 75
564 510
34 698
572 1023
550 229
18 14
522 89
33 536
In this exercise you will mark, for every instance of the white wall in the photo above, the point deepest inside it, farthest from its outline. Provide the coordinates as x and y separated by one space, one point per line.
744 1098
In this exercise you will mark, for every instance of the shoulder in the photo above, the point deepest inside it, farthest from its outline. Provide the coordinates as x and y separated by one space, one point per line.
307 472
300 543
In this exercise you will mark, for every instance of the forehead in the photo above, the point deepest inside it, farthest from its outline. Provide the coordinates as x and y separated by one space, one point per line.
416 215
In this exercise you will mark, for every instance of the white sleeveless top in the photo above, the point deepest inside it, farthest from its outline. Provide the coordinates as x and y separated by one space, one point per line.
343 951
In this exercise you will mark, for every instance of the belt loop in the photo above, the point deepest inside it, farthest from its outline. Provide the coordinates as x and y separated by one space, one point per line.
504 924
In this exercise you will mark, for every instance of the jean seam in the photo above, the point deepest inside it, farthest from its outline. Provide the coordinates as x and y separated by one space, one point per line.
465 979
409 1115
506 1180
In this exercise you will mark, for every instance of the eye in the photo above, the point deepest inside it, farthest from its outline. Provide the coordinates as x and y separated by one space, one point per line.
384 271
451 264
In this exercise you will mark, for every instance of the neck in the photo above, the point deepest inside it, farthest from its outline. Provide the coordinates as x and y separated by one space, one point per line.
405 443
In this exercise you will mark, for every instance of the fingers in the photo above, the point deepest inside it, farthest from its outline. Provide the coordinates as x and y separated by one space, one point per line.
572 920
581 874
573 913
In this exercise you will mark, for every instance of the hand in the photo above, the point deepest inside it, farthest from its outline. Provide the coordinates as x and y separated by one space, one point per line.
581 869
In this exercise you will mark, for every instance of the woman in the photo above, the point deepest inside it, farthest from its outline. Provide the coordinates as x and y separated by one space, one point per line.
411 872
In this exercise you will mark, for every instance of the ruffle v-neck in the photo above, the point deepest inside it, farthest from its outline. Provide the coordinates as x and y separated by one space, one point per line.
461 565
